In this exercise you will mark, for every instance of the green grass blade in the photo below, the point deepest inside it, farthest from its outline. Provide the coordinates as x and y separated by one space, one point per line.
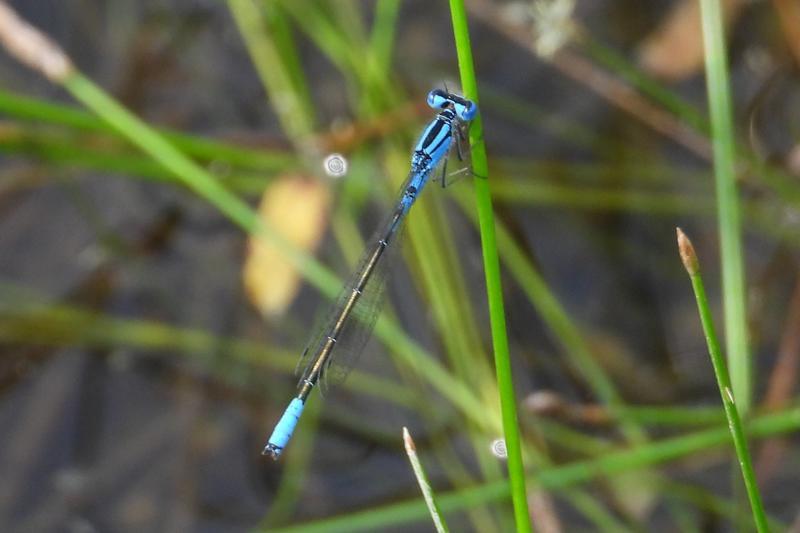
277 24
701 498
729 220
207 150
27 317
593 509
723 380
491 265
192 176
617 63
383 33
557 477
278 71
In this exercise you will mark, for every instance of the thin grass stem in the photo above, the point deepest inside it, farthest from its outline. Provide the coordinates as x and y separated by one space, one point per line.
491 265
424 485
728 217
724 381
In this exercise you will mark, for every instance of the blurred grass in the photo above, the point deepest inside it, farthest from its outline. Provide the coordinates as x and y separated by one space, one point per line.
29 318
266 35
67 138
559 477
206 150
734 295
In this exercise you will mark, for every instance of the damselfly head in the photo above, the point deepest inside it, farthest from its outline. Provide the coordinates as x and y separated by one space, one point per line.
465 109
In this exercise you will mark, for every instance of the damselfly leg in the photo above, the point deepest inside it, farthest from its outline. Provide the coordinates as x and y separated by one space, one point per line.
461 148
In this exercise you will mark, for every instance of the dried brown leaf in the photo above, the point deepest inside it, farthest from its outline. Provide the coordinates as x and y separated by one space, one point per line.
674 51
296 207
789 15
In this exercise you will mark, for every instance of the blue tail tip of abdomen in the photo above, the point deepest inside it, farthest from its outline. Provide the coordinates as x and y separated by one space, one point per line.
272 450
284 429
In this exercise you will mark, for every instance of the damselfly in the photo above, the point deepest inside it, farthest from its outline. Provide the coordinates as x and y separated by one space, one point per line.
352 318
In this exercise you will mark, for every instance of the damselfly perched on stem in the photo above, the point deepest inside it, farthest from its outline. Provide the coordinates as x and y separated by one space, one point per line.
354 313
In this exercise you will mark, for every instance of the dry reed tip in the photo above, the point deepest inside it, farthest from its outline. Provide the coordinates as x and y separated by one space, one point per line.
408 441
31 47
686 250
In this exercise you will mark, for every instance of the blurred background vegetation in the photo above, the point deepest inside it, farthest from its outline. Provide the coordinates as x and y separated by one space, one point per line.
148 341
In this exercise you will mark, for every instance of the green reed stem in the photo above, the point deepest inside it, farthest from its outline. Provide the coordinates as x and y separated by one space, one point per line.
491 265
729 220
724 381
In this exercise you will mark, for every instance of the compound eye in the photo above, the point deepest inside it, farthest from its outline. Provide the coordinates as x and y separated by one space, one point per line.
467 112
438 99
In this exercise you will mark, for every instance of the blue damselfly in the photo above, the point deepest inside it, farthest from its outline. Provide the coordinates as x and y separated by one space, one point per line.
353 314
